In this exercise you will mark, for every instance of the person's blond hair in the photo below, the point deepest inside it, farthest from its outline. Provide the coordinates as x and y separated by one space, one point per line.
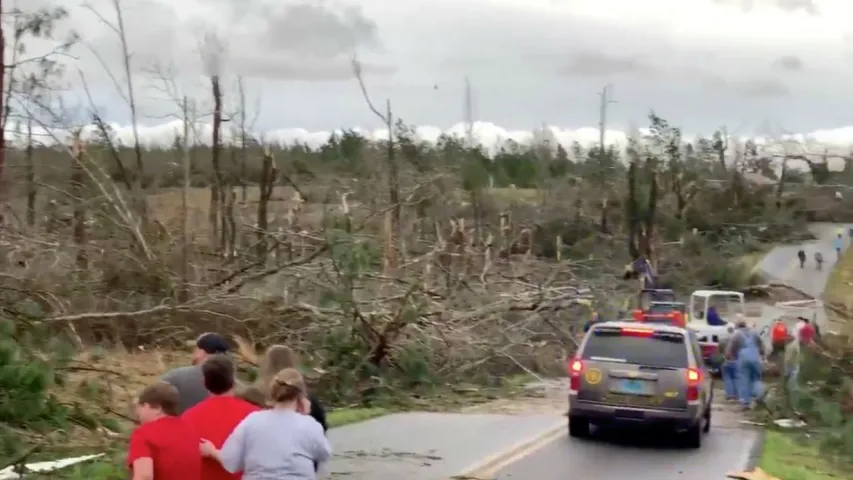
276 359
286 386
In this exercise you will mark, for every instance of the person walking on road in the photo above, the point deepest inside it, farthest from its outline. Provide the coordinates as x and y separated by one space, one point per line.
189 380
818 258
747 350
802 256
283 443
838 243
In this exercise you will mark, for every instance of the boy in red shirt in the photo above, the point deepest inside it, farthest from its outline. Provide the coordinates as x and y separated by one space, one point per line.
163 447
219 414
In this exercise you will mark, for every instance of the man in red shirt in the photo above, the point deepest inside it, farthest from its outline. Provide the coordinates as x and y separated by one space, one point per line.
163 447
778 338
220 413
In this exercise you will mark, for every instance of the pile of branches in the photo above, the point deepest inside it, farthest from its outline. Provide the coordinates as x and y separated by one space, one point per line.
361 308
824 399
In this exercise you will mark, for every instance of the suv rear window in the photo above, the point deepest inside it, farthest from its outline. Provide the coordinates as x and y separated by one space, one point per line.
659 308
662 349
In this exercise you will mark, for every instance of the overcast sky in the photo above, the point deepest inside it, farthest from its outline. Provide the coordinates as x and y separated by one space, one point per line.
746 64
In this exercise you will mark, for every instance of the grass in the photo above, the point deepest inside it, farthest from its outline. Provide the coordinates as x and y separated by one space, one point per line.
839 286
788 458
349 415
751 260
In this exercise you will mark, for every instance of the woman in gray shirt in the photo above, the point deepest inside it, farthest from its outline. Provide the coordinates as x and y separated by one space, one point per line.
282 443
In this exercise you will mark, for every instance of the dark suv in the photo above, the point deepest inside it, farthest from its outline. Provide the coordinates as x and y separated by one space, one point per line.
630 373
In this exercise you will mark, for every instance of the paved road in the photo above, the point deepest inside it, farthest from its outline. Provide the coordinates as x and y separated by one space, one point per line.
781 263
616 455
427 446
612 457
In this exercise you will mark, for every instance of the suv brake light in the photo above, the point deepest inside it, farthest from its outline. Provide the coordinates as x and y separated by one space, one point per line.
575 371
637 332
694 377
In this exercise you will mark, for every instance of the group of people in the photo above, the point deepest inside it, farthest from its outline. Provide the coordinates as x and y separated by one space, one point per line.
837 244
201 423
744 356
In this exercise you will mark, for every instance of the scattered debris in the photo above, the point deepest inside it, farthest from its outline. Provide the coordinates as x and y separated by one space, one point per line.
9 473
789 423
757 474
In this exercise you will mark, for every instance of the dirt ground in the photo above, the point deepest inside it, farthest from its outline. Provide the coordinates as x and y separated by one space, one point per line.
117 377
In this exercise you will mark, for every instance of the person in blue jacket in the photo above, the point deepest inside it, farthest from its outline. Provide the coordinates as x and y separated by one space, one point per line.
714 318
593 319
838 243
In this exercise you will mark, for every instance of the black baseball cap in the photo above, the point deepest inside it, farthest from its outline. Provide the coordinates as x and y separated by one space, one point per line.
212 343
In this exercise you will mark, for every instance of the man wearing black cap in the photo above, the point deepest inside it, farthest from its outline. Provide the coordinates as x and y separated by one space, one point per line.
189 380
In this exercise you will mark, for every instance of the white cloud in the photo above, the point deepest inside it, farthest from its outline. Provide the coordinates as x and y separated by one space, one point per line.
838 141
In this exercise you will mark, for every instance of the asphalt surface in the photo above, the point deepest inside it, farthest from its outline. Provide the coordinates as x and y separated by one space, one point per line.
427 446
781 264
651 456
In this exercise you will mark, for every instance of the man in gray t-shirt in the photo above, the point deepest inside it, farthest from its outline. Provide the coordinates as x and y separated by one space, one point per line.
189 380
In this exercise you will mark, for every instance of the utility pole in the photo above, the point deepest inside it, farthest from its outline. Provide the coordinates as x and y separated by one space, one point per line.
469 122
469 115
602 117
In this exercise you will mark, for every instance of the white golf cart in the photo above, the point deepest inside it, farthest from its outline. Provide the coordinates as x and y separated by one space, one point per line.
726 304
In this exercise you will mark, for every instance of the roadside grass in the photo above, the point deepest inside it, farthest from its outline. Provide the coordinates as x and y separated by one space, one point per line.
839 286
839 293
751 260
349 415
789 457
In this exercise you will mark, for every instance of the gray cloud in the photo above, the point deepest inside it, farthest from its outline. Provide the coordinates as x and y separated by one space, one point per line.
761 88
304 68
299 40
807 6
789 63
751 88
314 29
791 6
589 64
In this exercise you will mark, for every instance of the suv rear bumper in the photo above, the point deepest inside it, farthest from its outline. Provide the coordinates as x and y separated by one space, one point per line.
603 414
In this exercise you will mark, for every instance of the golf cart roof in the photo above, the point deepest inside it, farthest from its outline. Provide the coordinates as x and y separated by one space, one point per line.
714 293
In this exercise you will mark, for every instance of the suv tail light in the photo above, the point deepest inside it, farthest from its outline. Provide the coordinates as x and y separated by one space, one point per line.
694 378
575 371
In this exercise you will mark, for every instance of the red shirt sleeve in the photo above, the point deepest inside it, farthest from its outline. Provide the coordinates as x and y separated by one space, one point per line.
138 448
